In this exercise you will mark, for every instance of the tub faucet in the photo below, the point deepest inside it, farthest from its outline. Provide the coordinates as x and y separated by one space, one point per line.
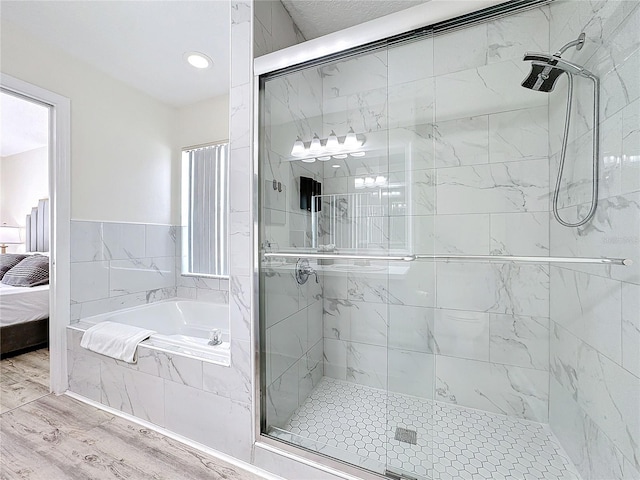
215 337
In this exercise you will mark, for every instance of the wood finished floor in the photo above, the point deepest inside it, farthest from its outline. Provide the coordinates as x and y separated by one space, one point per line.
23 379
57 438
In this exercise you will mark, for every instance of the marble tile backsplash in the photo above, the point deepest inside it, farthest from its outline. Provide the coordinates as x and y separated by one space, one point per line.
122 265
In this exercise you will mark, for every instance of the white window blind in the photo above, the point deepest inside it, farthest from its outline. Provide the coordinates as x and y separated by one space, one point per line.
206 170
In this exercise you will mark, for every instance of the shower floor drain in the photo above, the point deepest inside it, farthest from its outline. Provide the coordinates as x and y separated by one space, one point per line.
407 436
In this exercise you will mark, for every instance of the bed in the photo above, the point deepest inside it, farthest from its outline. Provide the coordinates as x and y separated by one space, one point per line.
24 311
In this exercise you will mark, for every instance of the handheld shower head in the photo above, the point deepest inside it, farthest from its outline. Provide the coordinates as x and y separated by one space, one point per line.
546 69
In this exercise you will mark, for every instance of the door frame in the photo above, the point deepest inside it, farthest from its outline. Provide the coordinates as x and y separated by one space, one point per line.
59 219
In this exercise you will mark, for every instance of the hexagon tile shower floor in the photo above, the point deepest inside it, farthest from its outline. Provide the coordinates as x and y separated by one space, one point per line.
452 442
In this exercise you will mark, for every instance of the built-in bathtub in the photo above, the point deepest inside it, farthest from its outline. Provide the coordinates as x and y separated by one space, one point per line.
183 327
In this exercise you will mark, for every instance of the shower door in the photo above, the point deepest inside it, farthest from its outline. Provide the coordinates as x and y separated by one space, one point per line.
346 198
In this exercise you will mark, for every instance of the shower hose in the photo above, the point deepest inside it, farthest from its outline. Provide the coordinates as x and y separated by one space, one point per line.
563 152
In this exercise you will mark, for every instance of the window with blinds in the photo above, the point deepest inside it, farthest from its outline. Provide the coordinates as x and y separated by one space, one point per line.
205 211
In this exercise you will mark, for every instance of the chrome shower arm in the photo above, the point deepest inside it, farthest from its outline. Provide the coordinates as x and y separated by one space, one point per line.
578 43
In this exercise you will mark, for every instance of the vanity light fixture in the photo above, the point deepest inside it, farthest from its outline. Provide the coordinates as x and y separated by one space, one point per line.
298 149
198 60
351 140
332 142
331 146
315 146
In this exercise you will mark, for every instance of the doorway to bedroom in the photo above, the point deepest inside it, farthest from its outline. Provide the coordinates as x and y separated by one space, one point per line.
25 222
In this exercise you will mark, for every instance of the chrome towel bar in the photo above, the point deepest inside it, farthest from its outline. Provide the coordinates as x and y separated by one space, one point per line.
452 258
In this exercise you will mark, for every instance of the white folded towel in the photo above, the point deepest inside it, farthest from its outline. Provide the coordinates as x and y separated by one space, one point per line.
115 340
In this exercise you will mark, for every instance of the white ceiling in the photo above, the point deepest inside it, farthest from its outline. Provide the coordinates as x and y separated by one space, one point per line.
141 43
316 18
24 125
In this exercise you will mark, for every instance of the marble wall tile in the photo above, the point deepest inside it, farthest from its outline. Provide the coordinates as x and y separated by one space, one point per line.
287 342
589 307
175 368
233 381
613 232
411 373
110 304
495 188
160 240
631 148
282 397
519 135
89 281
610 395
417 192
513 391
588 447
411 103
411 148
416 286
483 90
461 234
281 294
87 243
519 341
335 358
524 233
411 328
124 240
355 75
509 37
202 416
284 30
135 275
607 393
369 288
411 61
368 323
310 371
631 328
462 334
367 365
460 142
83 372
460 50
133 392
367 111
495 288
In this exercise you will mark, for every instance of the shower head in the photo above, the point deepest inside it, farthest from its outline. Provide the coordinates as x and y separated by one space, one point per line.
547 68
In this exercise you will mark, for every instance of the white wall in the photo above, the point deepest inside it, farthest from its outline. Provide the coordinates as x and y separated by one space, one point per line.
203 122
24 179
122 164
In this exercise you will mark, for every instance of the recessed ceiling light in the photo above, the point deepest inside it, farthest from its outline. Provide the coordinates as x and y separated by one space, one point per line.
335 166
198 60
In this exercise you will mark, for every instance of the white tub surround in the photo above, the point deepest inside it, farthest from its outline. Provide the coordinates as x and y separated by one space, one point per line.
179 326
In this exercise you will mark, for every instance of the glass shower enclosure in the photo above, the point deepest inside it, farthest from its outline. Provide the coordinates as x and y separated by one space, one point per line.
408 251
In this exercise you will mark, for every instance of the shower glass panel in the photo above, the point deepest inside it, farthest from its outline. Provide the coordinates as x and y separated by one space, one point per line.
429 144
